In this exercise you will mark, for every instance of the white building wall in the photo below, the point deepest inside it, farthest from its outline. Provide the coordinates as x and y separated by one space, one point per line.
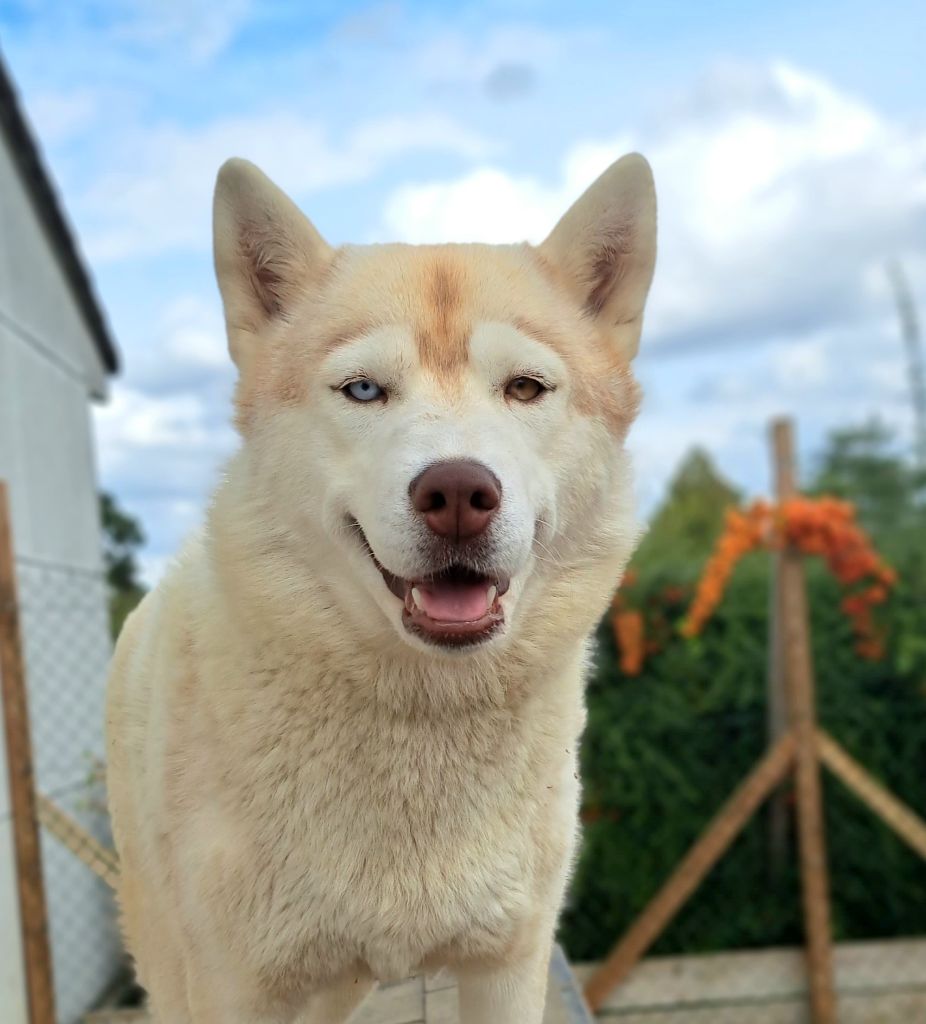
34 295
49 367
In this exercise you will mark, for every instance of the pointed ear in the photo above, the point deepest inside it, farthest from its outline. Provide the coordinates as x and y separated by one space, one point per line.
267 254
605 247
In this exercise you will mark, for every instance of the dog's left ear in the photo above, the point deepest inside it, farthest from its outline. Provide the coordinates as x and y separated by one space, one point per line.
605 247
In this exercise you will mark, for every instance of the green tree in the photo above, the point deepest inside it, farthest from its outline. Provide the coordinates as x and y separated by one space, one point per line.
690 518
862 464
122 538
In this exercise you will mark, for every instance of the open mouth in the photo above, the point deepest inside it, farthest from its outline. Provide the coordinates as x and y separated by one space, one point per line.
456 607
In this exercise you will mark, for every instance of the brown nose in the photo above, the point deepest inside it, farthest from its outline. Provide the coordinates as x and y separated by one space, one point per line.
457 498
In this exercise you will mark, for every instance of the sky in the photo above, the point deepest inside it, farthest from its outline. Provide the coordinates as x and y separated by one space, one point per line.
788 142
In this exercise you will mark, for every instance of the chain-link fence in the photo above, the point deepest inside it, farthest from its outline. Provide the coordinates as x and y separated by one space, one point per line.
66 647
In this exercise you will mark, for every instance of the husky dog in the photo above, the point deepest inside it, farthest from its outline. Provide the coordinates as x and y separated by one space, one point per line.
343 728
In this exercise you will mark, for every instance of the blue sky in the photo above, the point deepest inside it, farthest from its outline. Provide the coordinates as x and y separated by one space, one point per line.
788 142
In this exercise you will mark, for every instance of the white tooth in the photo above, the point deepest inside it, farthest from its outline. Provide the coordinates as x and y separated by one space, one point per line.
416 597
491 594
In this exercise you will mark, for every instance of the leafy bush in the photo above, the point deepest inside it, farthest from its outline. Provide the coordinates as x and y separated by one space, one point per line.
663 750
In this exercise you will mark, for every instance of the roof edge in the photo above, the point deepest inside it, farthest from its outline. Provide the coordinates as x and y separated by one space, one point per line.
49 210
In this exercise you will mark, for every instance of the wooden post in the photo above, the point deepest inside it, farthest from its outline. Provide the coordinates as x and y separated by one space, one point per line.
779 815
801 746
30 883
798 668
692 870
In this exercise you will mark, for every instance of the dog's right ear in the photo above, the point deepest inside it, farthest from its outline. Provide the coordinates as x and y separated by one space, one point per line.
267 253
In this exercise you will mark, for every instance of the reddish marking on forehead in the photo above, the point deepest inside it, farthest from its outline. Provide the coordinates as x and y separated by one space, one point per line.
346 331
442 332
536 331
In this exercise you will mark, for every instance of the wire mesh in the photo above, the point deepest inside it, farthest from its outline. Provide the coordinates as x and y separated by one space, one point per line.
65 635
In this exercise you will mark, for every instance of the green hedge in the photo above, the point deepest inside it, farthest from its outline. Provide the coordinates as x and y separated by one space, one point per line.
663 750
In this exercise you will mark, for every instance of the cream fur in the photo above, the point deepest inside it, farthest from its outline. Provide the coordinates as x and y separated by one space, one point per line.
305 798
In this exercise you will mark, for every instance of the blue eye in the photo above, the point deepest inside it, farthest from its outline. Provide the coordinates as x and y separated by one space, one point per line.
364 390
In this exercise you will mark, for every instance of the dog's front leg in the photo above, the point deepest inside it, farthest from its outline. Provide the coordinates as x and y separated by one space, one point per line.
511 994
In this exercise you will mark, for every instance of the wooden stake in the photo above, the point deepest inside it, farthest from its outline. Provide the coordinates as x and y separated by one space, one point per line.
30 883
692 870
101 860
895 814
779 814
798 666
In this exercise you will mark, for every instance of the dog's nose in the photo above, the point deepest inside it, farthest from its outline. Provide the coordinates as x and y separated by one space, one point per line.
457 498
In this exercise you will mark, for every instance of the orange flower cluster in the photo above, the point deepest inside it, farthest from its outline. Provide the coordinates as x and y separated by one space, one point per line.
638 633
814 526
628 631
627 624
827 527
745 530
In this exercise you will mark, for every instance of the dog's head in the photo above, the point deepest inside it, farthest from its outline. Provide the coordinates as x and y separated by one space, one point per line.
440 429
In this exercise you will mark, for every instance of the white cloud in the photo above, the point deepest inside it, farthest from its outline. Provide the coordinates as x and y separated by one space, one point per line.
780 200
805 364
162 455
454 59
201 28
60 116
183 351
133 422
193 334
166 428
159 196
485 205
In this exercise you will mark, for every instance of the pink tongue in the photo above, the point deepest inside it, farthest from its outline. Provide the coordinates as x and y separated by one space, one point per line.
454 602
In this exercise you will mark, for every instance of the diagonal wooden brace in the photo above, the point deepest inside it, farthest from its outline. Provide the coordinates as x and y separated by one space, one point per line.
895 814
692 870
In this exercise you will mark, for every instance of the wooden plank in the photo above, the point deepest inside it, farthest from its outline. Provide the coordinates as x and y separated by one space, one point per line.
692 870
880 1008
101 860
665 982
398 1003
894 813
130 1016
30 883
441 1006
791 1012
434 1000
798 669
882 965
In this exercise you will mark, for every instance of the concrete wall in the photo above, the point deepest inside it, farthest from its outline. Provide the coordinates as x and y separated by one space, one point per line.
49 368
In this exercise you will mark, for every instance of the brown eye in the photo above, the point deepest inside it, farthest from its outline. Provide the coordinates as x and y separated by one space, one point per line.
524 389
